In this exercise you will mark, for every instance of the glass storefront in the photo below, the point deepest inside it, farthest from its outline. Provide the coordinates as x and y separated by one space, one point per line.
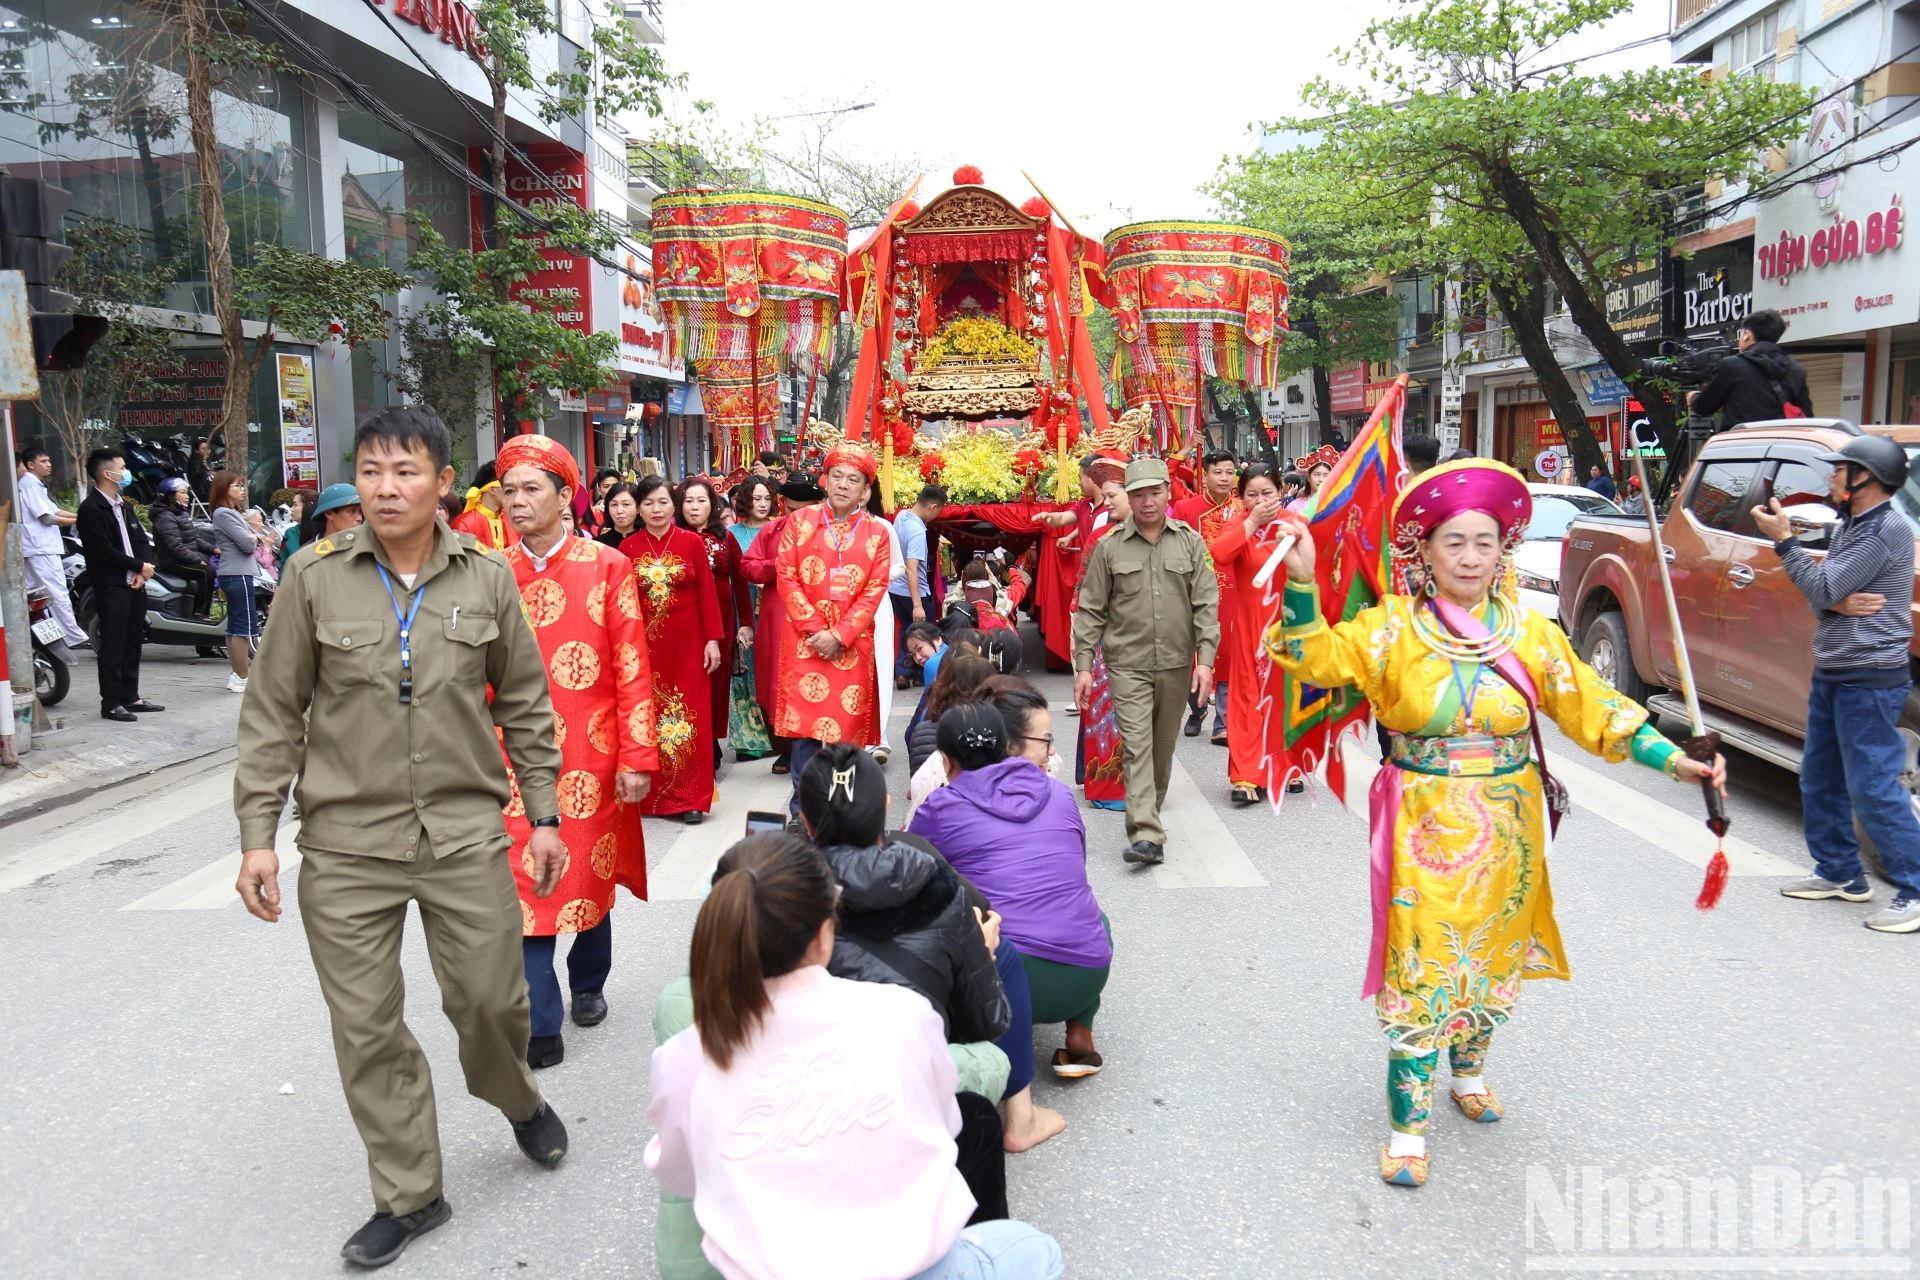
91 99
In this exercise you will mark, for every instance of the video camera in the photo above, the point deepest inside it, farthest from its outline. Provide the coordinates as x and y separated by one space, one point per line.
1686 364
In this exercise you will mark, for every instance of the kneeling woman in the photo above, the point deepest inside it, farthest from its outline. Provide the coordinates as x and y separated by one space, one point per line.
810 1119
1017 834
1460 673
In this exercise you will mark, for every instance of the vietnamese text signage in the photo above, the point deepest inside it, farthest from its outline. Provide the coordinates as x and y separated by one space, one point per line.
565 286
1347 389
1633 304
451 20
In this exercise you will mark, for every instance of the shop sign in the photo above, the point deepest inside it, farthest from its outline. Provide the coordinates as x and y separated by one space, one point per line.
1832 255
1347 389
564 286
1717 288
1547 431
1633 304
186 394
1550 465
453 21
299 445
643 338
1602 385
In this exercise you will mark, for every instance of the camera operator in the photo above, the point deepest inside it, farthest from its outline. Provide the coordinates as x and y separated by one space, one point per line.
1759 382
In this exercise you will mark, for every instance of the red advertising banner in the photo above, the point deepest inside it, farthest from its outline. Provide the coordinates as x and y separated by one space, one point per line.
566 286
1549 436
1347 389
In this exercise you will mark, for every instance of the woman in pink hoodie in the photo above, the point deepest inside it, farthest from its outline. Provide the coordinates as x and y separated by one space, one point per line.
811 1119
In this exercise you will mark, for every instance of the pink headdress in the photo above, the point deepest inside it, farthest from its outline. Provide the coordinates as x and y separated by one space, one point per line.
1437 496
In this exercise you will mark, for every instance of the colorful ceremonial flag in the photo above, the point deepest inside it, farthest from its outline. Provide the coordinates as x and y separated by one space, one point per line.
1349 518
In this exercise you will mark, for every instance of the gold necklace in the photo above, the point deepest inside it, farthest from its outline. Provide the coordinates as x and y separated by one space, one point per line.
1500 639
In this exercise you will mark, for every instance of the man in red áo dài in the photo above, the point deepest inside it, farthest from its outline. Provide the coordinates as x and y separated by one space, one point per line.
584 607
830 573
1211 511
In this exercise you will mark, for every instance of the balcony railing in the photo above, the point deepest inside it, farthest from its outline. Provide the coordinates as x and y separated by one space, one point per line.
1685 11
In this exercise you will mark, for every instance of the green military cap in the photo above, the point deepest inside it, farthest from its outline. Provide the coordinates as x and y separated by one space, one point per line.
1144 473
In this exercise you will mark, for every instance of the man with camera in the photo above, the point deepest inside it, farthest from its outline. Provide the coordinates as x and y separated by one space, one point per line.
1855 754
1759 382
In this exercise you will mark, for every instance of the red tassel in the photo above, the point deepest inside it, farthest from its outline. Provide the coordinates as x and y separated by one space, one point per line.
1035 207
1715 883
968 175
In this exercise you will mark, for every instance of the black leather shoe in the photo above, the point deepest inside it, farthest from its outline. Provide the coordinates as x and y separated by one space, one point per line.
121 714
1194 724
589 1008
543 1138
386 1237
693 817
1145 852
144 705
545 1051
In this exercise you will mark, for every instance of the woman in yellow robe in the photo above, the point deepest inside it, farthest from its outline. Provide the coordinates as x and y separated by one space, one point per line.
1463 910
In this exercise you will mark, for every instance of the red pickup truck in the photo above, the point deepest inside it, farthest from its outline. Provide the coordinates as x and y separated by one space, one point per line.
1749 630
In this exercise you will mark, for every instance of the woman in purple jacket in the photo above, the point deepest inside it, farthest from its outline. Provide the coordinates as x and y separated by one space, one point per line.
1016 833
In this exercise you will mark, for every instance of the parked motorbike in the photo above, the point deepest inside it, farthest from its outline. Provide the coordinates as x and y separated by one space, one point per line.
170 619
150 462
51 657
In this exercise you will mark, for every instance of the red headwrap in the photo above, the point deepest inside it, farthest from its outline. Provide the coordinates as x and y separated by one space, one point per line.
1105 468
855 455
543 452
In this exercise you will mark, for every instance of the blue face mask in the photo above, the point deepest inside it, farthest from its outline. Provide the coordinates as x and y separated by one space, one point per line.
126 478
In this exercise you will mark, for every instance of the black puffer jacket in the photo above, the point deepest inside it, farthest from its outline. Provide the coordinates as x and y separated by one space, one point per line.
177 541
905 919
922 743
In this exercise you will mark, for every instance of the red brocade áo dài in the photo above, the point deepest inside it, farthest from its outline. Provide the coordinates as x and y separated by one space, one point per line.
682 614
584 609
829 574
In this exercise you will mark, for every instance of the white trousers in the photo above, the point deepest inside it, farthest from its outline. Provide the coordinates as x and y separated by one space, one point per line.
47 573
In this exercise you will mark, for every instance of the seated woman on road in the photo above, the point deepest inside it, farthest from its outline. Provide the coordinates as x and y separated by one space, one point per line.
889 884
866 1185
959 676
1016 833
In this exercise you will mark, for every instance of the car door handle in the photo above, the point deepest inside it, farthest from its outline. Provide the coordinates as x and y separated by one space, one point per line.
1667 552
1742 576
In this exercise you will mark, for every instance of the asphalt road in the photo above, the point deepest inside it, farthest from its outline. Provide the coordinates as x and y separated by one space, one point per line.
170 1105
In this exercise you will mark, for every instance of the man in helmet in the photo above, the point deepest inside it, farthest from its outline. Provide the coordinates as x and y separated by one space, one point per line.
1861 680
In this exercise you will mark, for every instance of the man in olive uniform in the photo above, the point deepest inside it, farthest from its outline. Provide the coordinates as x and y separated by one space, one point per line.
371 688
1149 598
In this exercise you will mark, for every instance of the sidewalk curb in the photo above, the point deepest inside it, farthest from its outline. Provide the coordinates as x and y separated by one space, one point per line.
39 806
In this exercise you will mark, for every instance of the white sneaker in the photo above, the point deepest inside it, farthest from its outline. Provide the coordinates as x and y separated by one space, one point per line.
236 683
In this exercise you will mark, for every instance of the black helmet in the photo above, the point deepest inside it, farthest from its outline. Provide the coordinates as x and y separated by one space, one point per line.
1879 457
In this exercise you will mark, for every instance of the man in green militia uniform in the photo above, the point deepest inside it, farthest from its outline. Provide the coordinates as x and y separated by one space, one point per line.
1150 600
371 689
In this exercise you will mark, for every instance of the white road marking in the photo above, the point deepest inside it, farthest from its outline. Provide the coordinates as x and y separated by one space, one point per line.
37 858
688 867
211 887
1655 821
1201 852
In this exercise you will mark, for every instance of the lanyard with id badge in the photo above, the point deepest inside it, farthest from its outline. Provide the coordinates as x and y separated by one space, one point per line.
1470 754
839 587
406 632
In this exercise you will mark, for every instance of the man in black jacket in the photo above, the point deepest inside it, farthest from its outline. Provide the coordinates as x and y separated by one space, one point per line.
1760 381
119 562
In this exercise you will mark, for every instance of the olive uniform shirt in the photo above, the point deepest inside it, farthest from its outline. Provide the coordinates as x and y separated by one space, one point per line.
323 704
1152 606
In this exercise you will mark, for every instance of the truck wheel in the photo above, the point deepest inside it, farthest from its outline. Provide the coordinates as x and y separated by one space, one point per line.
1909 731
1604 645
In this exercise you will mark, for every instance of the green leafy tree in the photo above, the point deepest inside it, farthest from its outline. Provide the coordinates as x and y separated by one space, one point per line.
1494 159
1335 248
477 317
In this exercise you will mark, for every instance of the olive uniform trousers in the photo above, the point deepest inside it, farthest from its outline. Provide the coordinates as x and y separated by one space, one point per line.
354 910
1150 706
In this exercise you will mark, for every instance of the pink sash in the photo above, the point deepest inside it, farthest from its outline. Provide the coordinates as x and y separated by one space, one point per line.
1383 798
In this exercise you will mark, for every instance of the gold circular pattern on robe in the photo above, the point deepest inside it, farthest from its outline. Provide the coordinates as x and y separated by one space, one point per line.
627 598
575 665
559 730
578 916
854 699
813 571
579 793
526 918
826 729
849 658
545 600
604 850
626 664
600 731
516 806
814 687
597 604
639 727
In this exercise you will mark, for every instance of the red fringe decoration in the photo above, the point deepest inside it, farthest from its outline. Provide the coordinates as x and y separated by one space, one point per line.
1035 207
924 248
968 175
1716 882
